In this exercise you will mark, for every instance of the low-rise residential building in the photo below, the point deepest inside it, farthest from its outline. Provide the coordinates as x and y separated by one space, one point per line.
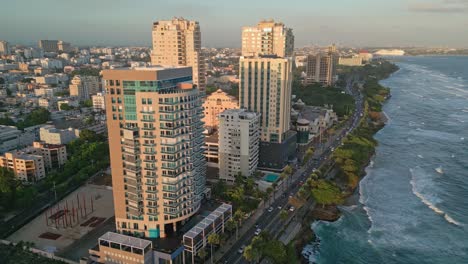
99 102
27 167
54 156
51 135
216 103
11 138
239 137
83 87
319 119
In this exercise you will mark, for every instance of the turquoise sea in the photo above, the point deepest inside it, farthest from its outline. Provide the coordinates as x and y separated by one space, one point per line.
413 203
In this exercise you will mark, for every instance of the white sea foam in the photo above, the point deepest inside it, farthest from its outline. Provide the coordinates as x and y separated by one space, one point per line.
429 201
421 156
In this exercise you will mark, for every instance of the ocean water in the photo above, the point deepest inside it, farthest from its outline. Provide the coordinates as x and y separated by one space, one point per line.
413 203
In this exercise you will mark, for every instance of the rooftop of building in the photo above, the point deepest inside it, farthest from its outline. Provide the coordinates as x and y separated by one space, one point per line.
243 113
154 68
212 138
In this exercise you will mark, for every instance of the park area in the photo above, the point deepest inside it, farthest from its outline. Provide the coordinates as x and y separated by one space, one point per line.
69 220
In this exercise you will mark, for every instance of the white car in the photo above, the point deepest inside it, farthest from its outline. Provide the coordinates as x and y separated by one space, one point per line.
292 208
270 209
258 231
241 249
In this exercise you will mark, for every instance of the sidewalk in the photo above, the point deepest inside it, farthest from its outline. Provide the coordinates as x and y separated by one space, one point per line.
246 225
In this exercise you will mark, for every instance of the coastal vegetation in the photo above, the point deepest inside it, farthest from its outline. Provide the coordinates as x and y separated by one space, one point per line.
334 182
317 95
266 246
20 254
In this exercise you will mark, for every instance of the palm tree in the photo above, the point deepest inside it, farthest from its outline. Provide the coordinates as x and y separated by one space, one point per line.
213 239
202 254
238 215
289 171
231 225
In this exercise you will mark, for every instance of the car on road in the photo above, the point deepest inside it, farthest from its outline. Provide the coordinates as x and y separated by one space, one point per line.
241 249
270 209
292 208
279 207
258 231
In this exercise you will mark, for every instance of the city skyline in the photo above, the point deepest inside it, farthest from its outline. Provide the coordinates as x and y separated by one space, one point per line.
118 23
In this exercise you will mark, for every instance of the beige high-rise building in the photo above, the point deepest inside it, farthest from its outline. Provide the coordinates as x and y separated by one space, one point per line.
84 87
49 45
63 46
267 38
321 67
216 103
99 102
27 168
177 42
265 87
155 137
4 48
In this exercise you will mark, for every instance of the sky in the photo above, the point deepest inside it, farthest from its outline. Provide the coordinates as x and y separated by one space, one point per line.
441 23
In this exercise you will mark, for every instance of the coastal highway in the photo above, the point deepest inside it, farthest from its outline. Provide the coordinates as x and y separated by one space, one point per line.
269 221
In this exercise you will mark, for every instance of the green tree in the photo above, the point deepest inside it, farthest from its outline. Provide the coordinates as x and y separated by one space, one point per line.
37 117
238 216
6 121
8 187
87 103
252 254
202 254
89 135
213 239
326 193
9 93
284 215
66 107
231 225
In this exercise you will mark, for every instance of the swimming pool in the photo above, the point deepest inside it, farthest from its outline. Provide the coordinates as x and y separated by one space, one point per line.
271 177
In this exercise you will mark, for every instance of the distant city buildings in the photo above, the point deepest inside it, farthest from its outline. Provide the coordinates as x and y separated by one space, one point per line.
216 103
393 52
49 45
155 138
351 61
267 38
177 42
4 48
239 138
11 138
321 67
83 87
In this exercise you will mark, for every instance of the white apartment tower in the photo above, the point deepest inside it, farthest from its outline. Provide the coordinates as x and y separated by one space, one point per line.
177 42
267 38
239 138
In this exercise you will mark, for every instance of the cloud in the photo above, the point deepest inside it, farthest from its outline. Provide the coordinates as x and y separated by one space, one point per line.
445 6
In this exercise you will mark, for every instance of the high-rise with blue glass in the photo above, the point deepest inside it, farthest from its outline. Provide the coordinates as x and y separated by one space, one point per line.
155 136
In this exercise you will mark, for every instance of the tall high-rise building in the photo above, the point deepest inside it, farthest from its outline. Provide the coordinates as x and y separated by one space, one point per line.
63 46
177 42
267 38
321 67
49 45
265 87
239 138
84 87
4 48
155 136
